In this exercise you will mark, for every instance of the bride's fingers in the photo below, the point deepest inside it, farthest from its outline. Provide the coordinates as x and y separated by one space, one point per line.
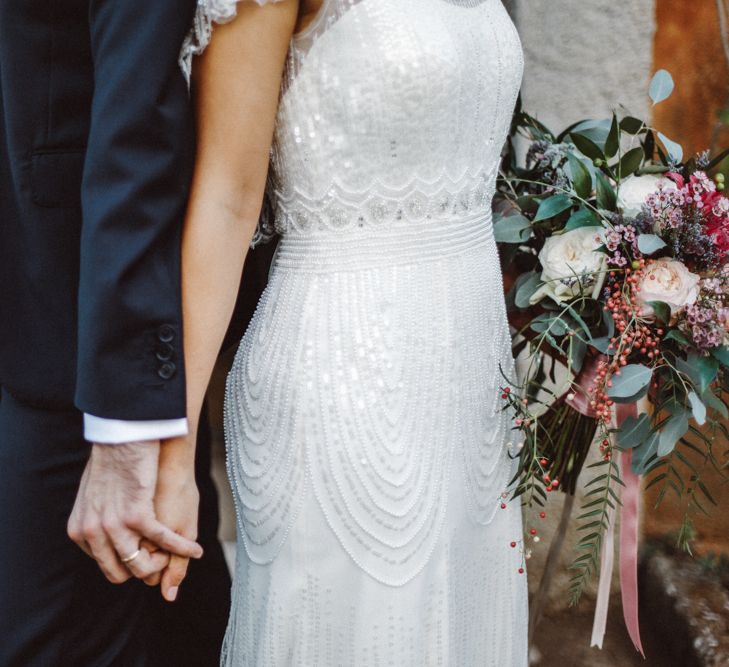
154 579
151 547
173 576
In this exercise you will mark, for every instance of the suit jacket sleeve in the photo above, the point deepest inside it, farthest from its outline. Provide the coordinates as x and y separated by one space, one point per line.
136 178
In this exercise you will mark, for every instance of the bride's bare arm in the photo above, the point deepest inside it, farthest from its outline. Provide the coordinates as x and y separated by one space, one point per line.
236 88
236 83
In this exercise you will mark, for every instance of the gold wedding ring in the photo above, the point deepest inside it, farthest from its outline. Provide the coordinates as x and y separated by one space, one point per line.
129 559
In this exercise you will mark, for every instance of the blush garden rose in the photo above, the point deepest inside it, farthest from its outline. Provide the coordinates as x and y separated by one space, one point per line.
669 281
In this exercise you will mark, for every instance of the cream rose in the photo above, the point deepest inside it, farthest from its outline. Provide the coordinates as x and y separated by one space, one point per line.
571 266
634 190
667 280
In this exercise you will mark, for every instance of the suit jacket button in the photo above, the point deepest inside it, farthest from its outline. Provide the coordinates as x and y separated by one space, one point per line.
164 352
167 370
166 333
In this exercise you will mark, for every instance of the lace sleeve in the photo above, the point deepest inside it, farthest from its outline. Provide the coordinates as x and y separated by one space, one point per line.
208 12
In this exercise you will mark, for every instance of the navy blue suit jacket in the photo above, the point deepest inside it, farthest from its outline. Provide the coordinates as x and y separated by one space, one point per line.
96 155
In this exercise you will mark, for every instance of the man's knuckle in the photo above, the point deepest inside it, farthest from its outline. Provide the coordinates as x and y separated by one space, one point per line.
110 524
135 518
74 532
90 529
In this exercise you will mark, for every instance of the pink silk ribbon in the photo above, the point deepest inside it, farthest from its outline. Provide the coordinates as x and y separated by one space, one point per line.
629 509
629 530
607 558
580 400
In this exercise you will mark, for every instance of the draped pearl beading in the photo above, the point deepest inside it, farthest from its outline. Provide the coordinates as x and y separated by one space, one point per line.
332 390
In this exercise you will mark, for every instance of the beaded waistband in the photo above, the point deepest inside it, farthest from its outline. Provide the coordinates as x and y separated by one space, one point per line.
395 245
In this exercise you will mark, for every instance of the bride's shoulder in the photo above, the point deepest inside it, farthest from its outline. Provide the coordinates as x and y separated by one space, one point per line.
222 11
207 14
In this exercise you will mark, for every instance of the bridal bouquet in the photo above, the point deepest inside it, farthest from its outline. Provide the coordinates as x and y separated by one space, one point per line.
618 255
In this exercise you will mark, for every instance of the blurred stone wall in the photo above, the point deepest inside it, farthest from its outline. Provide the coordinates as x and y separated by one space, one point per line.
584 57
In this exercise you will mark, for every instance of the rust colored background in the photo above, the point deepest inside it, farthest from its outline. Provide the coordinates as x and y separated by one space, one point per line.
688 44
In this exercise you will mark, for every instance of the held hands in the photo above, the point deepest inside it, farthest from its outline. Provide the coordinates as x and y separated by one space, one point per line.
176 503
136 513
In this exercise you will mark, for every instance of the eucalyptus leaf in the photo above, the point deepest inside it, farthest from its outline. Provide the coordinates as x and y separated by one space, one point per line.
707 368
609 323
527 203
649 145
698 408
512 229
689 369
587 146
612 144
606 197
596 130
634 398
546 322
581 176
643 454
675 151
662 86
721 354
529 284
634 431
673 430
631 125
577 351
650 243
582 217
662 310
714 403
678 336
632 380
552 206
630 162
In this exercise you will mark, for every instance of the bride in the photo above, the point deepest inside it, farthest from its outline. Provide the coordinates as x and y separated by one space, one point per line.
368 451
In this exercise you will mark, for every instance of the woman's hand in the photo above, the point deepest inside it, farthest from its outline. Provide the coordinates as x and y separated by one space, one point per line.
176 504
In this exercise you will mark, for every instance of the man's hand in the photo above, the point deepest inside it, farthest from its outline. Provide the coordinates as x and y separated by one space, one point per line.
176 502
114 512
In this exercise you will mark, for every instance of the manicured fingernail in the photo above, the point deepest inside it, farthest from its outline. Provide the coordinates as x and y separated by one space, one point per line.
172 593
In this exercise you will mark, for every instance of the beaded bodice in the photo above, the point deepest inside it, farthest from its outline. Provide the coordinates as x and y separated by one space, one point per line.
391 112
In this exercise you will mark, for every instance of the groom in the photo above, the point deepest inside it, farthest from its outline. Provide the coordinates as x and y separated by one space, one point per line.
96 153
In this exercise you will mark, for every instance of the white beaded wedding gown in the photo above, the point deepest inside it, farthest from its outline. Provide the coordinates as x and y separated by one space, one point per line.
367 447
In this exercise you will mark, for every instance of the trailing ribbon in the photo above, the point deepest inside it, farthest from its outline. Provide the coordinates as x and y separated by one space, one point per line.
607 557
629 525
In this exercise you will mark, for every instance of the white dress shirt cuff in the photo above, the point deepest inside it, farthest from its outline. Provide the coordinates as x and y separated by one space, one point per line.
117 431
